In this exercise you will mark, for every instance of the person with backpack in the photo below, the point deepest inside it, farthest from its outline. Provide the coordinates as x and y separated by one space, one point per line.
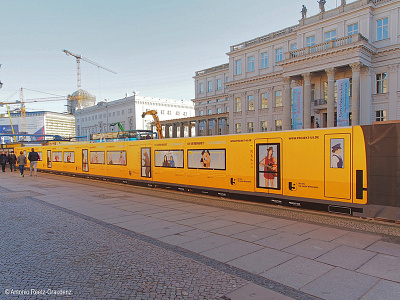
21 161
33 159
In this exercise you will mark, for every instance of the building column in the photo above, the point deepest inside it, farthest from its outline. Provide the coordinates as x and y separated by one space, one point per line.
355 96
182 129
307 100
216 126
189 129
207 127
331 97
166 131
286 120
197 128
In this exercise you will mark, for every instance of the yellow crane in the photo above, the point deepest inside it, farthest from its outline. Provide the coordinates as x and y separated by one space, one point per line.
78 67
156 121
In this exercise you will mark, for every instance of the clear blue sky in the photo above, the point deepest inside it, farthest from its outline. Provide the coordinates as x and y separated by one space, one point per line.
155 46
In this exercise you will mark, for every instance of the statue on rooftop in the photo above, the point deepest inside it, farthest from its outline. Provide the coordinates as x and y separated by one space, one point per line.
322 5
304 12
343 3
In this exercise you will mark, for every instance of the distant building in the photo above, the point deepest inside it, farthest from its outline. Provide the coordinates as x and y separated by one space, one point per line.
79 100
40 123
358 42
128 112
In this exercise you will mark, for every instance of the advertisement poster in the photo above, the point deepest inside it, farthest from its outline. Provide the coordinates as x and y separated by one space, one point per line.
268 169
214 159
116 158
343 86
297 107
146 162
169 158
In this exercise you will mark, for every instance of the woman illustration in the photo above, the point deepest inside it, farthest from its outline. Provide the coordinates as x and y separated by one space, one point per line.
171 162
336 159
270 167
121 159
146 164
165 162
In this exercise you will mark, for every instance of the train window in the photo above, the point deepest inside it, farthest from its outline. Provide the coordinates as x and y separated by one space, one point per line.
168 158
56 156
97 157
214 159
146 162
268 167
337 150
85 165
69 156
116 158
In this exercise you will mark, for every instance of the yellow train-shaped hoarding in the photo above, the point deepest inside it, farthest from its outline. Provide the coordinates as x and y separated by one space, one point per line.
350 170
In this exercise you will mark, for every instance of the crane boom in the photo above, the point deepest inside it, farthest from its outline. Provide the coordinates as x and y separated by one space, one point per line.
156 121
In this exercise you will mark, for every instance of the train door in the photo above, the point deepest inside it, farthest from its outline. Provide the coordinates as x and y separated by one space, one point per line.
268 165
85 160
49 159
337 175
146 171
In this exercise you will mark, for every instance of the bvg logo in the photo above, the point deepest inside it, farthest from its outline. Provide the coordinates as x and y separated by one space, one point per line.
233 181
292 186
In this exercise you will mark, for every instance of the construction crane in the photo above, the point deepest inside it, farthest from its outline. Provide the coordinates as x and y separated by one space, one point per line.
78 67
156 121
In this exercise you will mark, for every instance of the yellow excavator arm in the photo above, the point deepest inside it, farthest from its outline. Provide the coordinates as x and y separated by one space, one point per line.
156 121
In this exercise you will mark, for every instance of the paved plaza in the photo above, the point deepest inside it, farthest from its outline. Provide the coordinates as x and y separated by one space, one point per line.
71 238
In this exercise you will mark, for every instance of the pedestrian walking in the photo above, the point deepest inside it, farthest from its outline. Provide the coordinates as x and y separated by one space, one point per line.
33 159
21 161
3 161
12 159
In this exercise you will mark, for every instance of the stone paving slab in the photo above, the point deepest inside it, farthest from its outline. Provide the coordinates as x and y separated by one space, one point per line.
357 239
311 248
233 229
326 234
255 292
214 224
299 228
231 251
168 230
383 290
280 241
277 223
181 216
261 261
340 284
385 248
297 272
346 257
255 234
207 243
184 237
382 266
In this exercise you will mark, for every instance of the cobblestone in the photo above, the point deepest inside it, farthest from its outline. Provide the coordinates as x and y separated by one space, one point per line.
44 248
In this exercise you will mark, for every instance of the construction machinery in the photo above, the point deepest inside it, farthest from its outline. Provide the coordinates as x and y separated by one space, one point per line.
78 66
121 128
156 121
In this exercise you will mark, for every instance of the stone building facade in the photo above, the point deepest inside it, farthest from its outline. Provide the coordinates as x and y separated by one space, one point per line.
359 41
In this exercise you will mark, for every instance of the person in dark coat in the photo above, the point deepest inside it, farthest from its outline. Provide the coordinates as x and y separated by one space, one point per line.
12 159
3 161
33 159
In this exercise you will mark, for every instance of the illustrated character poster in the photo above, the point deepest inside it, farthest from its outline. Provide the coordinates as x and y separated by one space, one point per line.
116 158
85 165
337 150
268 168
169 159
49 158
57 156
214 159
146 162
69 157
97 157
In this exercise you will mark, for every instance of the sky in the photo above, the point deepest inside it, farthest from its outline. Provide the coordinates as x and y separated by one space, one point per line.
155 46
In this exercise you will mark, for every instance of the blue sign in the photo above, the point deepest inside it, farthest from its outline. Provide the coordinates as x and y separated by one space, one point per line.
297 96
343 100
6 129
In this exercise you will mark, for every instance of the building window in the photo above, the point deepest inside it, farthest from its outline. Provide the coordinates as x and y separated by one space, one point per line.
250 127
250 103
278 99
331 35
219 110
381 83
250 64
264 101
169 112
238 104
178 113
185 113
382 29
209 101
263 126
201 88
293 47
219 100
201 113
227 109
238 128
238 67
210 112
380 115
227 78
219 84
118 113
325 91
278 125
209 84
352 29
310 41
278 55
264 60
